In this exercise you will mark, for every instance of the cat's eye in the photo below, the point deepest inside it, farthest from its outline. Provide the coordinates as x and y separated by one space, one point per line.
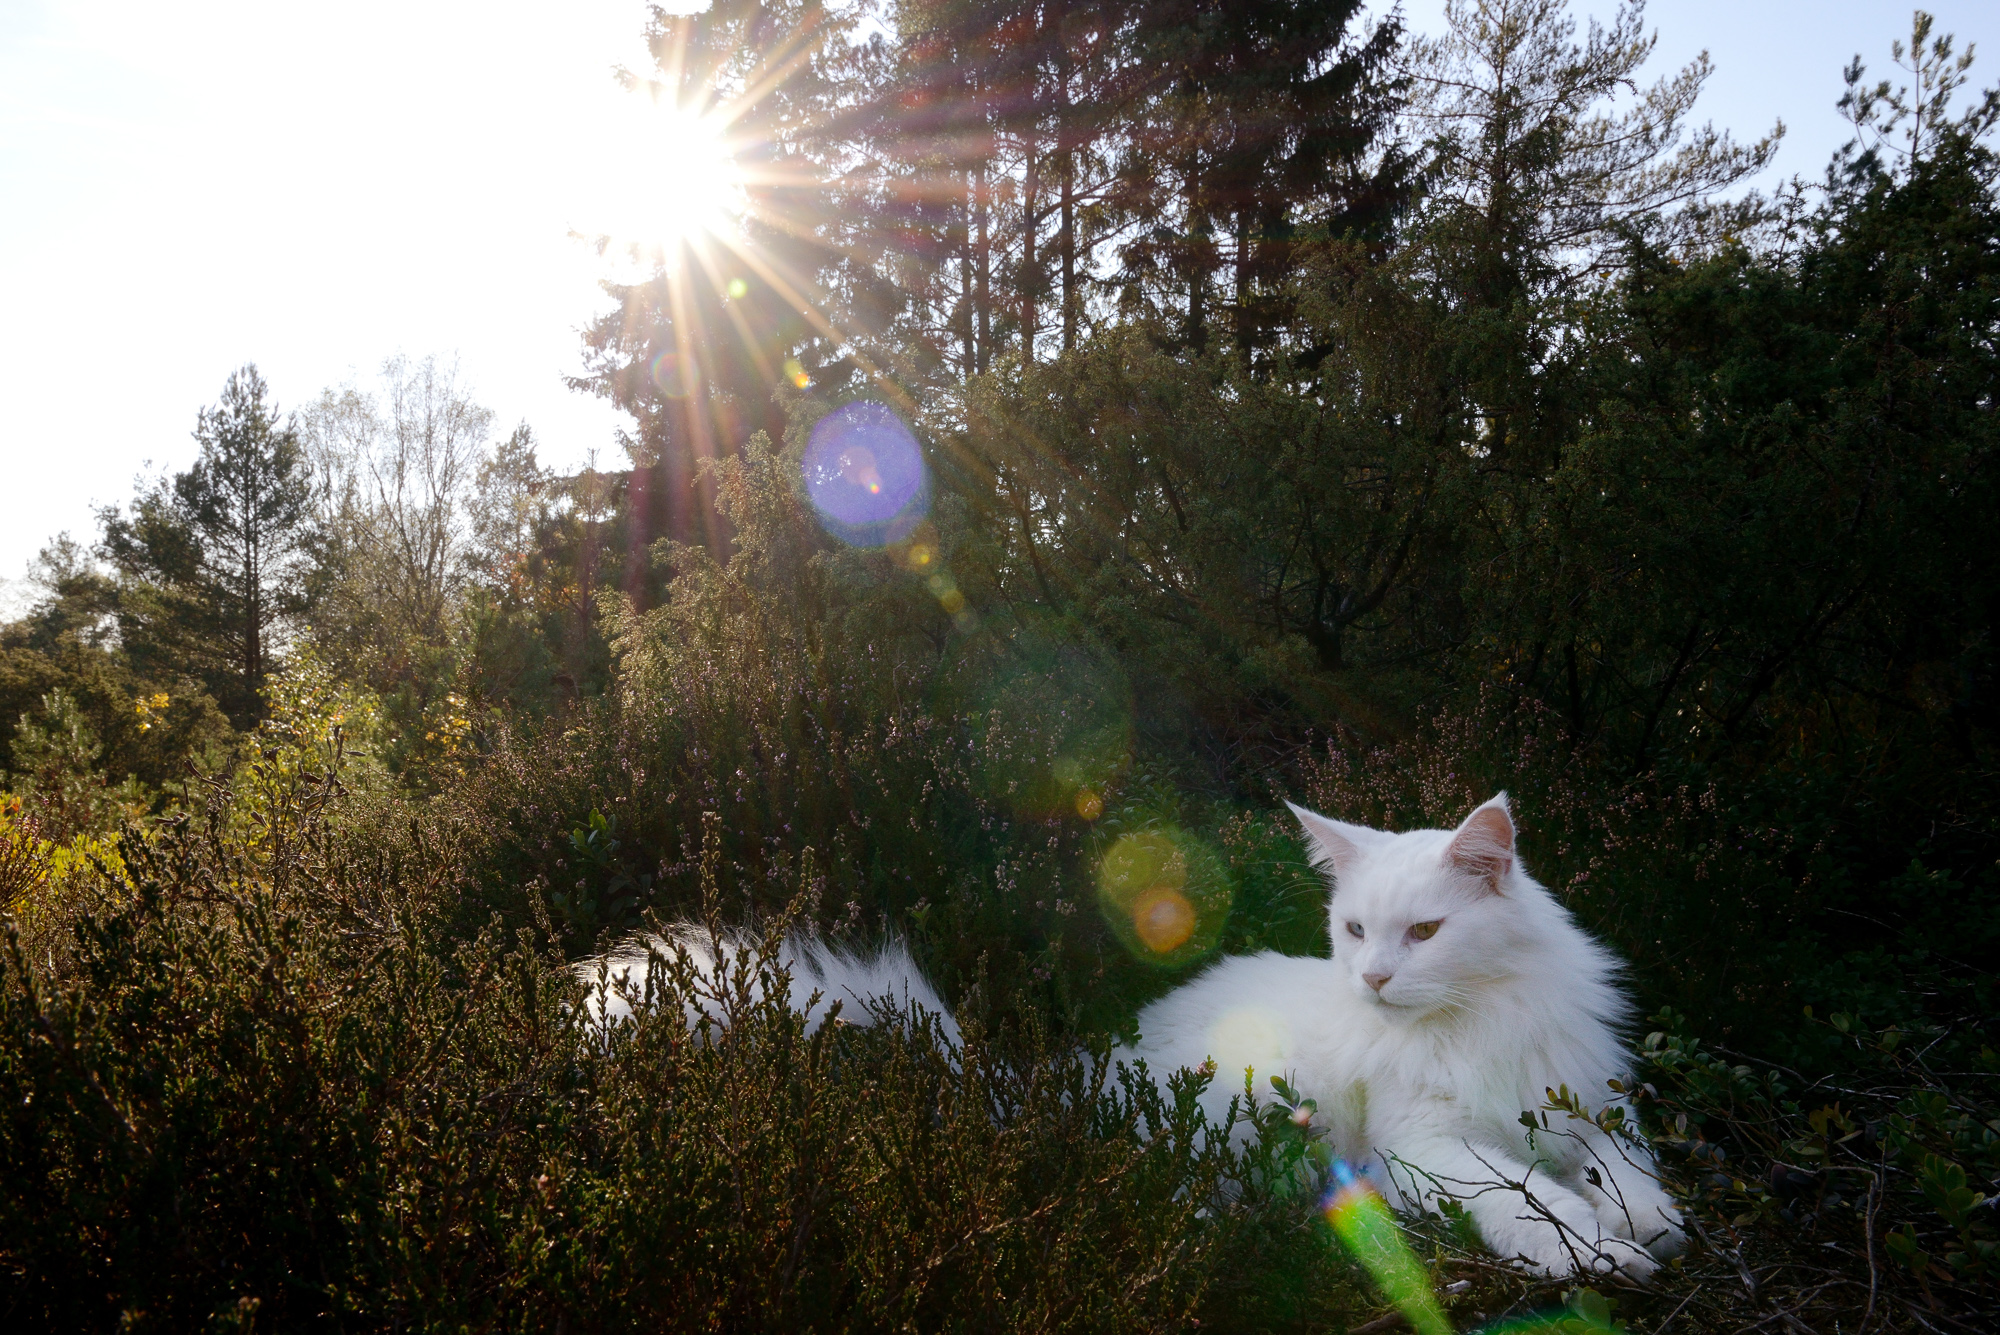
1354 930
1424 931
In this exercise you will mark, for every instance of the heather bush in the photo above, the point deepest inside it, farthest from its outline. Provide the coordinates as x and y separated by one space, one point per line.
270 1088
313 1054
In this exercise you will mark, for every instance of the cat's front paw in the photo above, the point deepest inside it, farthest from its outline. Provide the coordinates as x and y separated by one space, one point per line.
1570 1240
1660 1230
1626 1258
1571 1255
1644 1213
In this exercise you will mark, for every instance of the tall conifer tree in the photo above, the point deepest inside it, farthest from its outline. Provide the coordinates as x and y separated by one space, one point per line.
212 554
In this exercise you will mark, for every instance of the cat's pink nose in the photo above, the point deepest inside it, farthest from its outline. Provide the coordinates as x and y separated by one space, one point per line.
1375 980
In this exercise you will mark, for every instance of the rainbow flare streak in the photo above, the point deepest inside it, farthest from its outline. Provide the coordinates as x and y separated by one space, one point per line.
1362 1221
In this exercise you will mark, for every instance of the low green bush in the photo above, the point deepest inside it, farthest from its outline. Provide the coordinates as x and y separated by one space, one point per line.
265 1076
265 1088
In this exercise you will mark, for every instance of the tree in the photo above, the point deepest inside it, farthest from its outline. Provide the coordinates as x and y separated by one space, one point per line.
1261 121
214 555
393 484
68 644
1537 183
1535 172
511 500
1899 127
1047 155
55 759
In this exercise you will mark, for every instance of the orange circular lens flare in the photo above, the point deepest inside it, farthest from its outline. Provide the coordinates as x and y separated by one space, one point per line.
1165 894
1089 805
1164 919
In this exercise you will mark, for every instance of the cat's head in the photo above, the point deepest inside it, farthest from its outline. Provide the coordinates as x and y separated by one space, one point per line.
1421 919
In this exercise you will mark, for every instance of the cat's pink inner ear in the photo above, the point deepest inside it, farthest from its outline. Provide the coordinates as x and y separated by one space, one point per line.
1334 845
1484 844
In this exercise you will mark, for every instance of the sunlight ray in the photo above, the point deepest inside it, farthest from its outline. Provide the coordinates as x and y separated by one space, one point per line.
751 343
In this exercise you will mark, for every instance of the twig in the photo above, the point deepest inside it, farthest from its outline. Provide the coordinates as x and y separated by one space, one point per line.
1868 1233
1923 1319
1661 1329
1390 1321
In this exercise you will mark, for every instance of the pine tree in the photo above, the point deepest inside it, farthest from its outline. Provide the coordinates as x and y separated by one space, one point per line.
1261 123
211 557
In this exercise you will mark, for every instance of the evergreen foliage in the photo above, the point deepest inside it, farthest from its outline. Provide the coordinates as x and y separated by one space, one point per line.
210 558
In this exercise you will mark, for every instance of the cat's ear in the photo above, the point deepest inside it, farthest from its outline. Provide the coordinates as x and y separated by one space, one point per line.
1483 847
1335 845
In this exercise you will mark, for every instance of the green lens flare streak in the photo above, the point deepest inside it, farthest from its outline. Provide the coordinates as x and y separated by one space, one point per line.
1361 1220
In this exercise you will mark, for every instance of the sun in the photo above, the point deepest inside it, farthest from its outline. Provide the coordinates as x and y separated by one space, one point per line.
678 182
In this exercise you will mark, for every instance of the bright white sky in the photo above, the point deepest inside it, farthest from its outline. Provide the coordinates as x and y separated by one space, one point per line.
186 187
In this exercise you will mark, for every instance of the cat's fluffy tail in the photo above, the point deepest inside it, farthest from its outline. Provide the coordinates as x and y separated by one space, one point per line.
865 985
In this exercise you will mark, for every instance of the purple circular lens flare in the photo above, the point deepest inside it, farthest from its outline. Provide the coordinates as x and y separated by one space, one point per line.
865 475
673 374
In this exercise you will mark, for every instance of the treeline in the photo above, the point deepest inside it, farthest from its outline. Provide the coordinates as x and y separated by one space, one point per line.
383 532
1288 382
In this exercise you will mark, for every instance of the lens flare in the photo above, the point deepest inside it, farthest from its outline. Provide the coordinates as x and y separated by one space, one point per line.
673 374
1252 1038
1363 1223
1050 712
1165 894
1164 919
680 182
864 474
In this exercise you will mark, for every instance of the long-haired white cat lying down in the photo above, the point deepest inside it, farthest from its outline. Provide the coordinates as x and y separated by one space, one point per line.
1458 994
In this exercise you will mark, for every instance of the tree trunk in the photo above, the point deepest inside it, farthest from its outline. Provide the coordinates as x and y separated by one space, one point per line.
985 275
1197 279
1243 330
1066 153
1195 262
1030 187
967 262
253 608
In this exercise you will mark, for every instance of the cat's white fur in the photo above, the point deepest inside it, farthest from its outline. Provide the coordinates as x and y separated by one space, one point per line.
1422 1054
861 983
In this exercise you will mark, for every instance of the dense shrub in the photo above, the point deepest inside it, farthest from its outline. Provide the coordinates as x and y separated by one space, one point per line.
265 1079
268 1085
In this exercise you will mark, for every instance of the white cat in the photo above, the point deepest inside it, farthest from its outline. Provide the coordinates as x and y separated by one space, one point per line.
862 984
1459 992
